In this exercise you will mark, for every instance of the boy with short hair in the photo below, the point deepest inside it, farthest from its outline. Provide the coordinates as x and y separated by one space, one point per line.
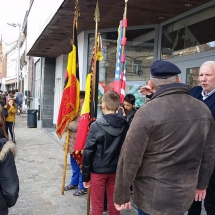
101 153
129 107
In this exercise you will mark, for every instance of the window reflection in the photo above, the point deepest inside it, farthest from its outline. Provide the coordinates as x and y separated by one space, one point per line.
192 77
139 56
190 35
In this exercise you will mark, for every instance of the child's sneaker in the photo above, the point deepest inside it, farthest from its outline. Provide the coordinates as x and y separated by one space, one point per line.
105 212
80 192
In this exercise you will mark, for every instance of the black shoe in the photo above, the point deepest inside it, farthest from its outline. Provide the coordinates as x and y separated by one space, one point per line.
70 187
80 192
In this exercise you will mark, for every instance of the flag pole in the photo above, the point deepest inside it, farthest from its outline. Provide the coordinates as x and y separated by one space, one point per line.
75 21
94 87
65 162
124 39
96 19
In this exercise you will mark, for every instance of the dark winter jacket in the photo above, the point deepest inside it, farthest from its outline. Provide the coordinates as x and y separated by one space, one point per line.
168 153
3 109
196 92
103 145
130 115
9 182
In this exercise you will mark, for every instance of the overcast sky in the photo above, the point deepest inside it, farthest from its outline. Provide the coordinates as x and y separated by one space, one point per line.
12 11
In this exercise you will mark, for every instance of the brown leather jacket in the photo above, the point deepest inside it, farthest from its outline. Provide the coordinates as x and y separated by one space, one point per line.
73 127
168 153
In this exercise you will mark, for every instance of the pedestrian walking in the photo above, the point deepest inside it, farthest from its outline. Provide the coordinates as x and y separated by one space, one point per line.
3 133
10 119
168 153
2 104
19 99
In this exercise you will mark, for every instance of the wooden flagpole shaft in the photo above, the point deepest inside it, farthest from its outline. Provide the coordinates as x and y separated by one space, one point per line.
76 14
65 162
88 201
96 19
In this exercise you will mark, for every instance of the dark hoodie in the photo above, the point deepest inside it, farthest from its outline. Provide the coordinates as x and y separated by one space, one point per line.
103 145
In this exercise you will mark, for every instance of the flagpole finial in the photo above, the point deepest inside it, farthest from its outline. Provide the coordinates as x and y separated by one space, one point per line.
97 14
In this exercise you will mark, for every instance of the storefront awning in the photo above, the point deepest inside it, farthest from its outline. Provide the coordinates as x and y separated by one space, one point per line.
54 40
11 81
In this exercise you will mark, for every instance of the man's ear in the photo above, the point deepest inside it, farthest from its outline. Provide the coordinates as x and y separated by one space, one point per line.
178 80
103 106
151 84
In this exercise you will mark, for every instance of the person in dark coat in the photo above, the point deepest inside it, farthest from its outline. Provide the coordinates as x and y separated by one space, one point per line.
3 133
2 105
9 181
168 152
206 94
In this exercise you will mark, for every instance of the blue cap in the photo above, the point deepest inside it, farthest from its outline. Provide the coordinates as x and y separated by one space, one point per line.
163 69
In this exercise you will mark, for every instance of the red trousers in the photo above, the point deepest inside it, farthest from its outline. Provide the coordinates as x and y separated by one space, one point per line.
98 184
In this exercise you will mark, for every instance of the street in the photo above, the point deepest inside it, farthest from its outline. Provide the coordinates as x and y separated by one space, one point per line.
39 164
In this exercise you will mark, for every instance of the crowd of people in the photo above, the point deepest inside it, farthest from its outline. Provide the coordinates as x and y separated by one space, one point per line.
163 154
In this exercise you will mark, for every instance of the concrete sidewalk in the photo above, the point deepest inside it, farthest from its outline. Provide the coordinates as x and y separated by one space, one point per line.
39 163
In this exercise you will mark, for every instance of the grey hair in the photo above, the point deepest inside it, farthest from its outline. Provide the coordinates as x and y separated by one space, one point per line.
160 82
206 63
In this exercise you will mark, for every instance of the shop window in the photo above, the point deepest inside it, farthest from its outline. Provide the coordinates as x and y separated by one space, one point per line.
190 35
139 56
136 68
192 77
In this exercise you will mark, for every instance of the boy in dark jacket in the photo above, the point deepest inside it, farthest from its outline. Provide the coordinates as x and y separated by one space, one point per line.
101 153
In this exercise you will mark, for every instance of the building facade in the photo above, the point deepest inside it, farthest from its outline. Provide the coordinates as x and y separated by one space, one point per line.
181 33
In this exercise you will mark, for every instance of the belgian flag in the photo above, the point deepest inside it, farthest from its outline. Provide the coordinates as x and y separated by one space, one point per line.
89 110
69 106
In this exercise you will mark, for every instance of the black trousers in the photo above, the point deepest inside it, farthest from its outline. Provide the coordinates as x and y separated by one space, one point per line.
209 201
10 126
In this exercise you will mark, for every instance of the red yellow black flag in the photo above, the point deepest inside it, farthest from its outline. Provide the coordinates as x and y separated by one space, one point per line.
89 110
69 106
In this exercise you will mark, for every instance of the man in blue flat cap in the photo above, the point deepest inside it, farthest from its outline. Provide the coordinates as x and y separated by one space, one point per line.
168 153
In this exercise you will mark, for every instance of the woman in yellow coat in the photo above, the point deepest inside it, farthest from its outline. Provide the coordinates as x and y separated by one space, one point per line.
10 119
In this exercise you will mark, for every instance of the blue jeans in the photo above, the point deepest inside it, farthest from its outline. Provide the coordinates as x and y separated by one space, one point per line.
76 178
142 213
